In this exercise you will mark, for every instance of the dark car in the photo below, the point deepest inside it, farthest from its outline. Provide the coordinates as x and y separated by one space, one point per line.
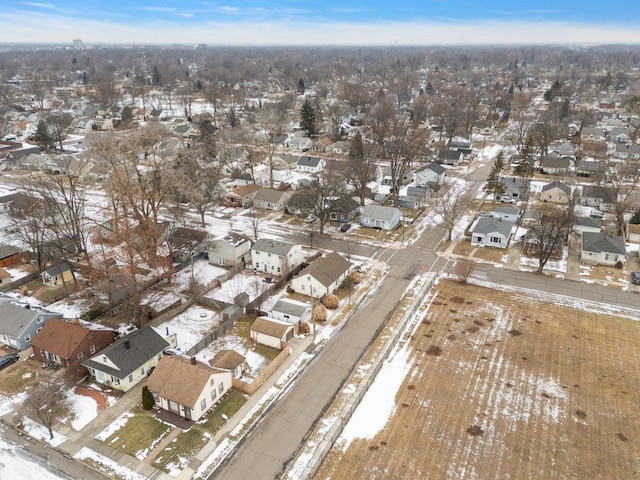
345 227
7 360
635 278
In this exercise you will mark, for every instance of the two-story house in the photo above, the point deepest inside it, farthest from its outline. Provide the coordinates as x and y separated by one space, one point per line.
230 250
19 323
275 257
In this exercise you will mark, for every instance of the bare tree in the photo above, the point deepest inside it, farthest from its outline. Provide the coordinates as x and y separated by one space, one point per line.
464 268
451 206
360 168
59 125
550 231
322 197
49 403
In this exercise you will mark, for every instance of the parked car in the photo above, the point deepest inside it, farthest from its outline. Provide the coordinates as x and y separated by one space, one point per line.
311 219
484 214
507 199
345 227
7 360
635 278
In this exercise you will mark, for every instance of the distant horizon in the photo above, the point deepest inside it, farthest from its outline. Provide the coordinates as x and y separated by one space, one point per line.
330 23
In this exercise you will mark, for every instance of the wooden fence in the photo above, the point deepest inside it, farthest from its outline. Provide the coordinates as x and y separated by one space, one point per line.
250 388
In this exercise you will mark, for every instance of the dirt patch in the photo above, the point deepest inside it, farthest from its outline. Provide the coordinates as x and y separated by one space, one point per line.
526 409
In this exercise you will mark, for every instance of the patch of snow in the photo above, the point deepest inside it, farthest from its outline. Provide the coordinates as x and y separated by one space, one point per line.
108 466
83 409
116 425
35 430
17 464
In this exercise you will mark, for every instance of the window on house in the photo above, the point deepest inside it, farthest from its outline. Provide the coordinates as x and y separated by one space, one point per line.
131 378
496 240
115 381
141 370
211 382
203 404
80 356
92 349
213 394
278 269
40 320
27 338
38 330
220 388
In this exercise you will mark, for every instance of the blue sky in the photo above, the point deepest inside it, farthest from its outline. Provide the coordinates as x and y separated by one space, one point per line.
333 22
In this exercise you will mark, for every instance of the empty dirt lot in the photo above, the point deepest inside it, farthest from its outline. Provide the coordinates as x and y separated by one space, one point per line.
505 386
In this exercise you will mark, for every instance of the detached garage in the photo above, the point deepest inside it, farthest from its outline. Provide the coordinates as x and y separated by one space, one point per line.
271 332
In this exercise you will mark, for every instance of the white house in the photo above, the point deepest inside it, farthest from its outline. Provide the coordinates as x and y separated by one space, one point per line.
510 214
491 232
602 249
271 332
230 250
291 311
275 257
310 164
268 199
587 224
323 276
377 216
432 174
187 387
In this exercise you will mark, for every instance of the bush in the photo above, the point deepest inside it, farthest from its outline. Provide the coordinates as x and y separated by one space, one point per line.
319 313
619 265
290 289
331 302
147 399
304 329
357 277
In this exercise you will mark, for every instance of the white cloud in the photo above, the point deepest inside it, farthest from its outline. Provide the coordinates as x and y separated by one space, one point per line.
228 9
49 6
19 26
185 15
158 9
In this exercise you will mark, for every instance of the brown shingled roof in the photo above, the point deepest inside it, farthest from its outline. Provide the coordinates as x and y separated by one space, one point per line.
60 337
227 359
270 326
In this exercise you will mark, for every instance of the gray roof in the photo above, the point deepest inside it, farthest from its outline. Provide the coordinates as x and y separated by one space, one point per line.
14 319
588 222
306 161
513 184
269 195
492 224
601 242
57 269
379 212
507 210
7 251
326 270
436 167
420 192
289 307
144 344
234 239
607 194
559 185
269 245
591 166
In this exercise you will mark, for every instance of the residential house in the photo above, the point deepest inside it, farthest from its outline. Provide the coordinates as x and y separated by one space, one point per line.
9 255
322 144
323 276
185 243
129 359
587 224
565 150
602 249
491 232
378 216
619 135
513 187
341 147
271 332
242 195
57 275
554 164
556 192
69 343
450 157
626 152
633 233
432 174
230 250
291 311
590 168
310 164
421 193
594 134
299 143
23 205
231 361
298 204
344 210
187 387
268 199
19 323
602 198
276 257
510 214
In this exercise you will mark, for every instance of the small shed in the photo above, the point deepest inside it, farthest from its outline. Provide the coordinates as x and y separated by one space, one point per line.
271 332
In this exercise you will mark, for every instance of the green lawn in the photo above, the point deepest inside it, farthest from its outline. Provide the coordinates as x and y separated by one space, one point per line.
139 433
189 443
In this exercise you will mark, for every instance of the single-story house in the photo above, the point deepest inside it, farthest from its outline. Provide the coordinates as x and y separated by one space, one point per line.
323 276
310 164
491 232
268 199
187 387
231 361
587 224
432 174
299 143
510 214
554 165
271 332
276 257
556 192
57 275
587 169
450 157
602 249
513 187
69 343
633 233
378 216
129 359
185 243
19 323
241 195
230 250
602 198
291 311
344 210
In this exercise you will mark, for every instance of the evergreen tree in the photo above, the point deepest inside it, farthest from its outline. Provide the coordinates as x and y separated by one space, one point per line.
301 86
494 181
147 399
43 137
308 118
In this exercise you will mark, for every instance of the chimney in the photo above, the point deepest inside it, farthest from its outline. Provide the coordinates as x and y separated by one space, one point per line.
194 361
127 345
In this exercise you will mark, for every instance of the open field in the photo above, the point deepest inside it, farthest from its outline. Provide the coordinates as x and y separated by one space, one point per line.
501 385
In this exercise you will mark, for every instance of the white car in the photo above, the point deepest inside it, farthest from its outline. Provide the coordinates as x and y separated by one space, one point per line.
507 199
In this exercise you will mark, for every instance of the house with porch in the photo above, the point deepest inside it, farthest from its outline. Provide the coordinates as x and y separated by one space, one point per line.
602 198
241 195
69 343
130 359
187 387
378 216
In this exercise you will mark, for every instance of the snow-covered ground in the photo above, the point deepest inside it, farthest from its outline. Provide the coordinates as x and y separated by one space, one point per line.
17 464
190 326
108 466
